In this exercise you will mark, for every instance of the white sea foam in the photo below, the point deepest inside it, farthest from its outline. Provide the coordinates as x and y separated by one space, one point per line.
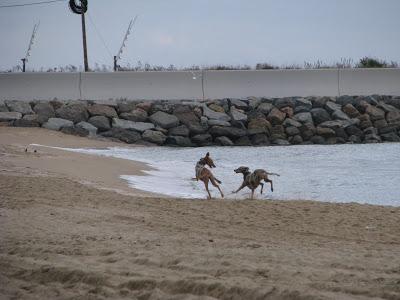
367 173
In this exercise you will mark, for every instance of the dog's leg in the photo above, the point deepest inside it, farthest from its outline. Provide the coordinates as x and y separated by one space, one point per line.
214 183
206 185
262 187
241 187
252 194
270 181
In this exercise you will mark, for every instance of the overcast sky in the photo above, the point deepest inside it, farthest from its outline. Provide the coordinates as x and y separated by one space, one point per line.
204 32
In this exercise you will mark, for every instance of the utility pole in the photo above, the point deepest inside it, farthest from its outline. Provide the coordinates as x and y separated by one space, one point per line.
81 9
85 58
23 64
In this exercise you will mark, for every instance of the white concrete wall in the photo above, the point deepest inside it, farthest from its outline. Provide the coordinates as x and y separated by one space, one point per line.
39 86
192 85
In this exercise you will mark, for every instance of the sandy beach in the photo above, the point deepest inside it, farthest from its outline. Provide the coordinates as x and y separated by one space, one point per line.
70 228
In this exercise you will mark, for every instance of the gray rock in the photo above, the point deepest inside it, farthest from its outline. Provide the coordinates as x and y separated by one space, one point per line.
331 107
75 130
393 117
265 108
210 114
320 115
339 115
282 102
73 112
202 139
319 102
125 124
125 135
371 130
390 137
304 117
302 105
291 130
92 130
243 141
276 116
326 132
102 110
372 138
197 129
318 140
164 120
223 141
10 116
354 130
218 123
126 106
239 103
296 140
102 123
350 110
375 113
179 131
179 141
380 123
332 124
260 139
45 111
237 115
230 132
280 142
254 102
57 123
354 139
136 115
153 136
290 122
307 131
186 116
19 106
3 106
27 121
345 99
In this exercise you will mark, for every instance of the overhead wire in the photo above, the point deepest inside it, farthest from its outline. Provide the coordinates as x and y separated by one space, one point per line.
99 34
29 4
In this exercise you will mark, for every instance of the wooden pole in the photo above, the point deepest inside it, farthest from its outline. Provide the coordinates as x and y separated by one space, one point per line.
85 58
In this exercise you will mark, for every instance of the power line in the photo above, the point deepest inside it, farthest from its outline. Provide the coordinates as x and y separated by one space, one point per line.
99 34
29 4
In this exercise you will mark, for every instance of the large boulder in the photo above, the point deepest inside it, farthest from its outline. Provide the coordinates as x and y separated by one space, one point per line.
265 108
339 115
319 102
216 107
19 106
75 130
290 122
260 139
27 121
354 130
213 122
202 139
179 141
74 112
390 137
92 130
102 110
320 115
350 110
223 141
332 106
302 105
102 123
393 116
164 120
304 117
325 132
125 124
10 116
230 132
181 130
136 115
275 116
125 135
126 106
195 129
243 141
186 116
240 104
288 111
44 111
153 136
210 114
146 106
282 102
237 115
57 123
375 113
291 131
380 123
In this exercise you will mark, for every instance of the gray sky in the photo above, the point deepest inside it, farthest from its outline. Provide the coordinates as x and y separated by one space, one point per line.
204 32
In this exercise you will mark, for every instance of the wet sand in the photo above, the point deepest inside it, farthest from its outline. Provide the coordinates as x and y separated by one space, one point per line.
71 229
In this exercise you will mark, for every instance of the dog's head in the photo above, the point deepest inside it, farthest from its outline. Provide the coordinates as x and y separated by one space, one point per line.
242 170
208 161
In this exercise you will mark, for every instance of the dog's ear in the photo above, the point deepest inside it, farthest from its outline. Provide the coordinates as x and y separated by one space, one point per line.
208 154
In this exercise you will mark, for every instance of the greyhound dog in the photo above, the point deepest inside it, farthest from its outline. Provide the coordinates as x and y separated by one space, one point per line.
205 175
253 180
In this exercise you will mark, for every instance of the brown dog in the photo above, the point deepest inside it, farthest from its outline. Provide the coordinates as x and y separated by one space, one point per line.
253 180
205 175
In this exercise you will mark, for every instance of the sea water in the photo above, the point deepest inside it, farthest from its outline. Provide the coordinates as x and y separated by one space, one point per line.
367 173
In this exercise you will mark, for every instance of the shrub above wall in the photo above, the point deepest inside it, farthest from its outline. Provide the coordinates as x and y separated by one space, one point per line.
225 122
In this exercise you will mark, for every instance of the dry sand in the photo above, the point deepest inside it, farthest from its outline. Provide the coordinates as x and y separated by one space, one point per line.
61 239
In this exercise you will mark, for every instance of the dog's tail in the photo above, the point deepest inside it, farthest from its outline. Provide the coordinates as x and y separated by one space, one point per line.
274 174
